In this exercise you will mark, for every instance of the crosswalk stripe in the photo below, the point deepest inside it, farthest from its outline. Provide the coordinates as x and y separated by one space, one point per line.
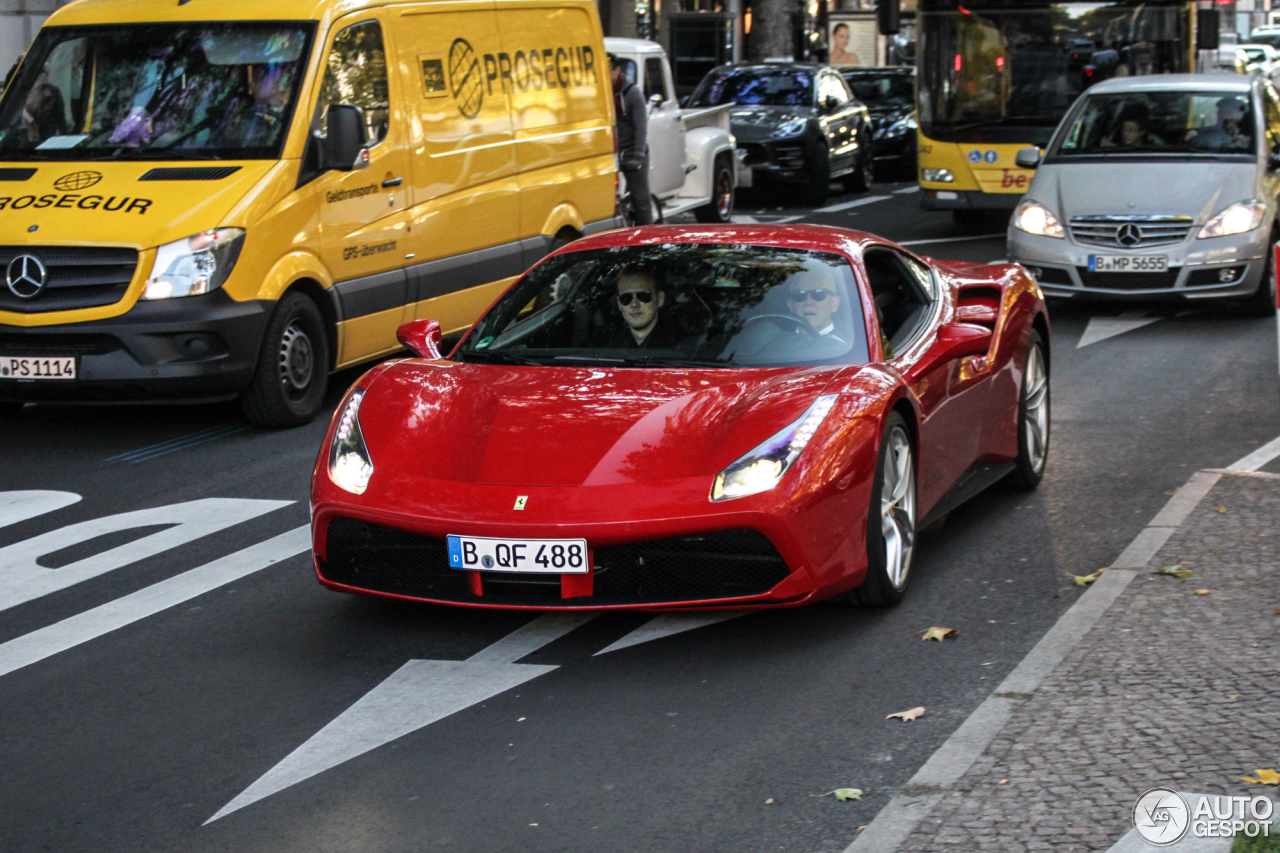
91 624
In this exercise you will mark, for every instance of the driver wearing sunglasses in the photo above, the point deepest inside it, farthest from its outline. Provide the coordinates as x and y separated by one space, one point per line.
812 295
640 299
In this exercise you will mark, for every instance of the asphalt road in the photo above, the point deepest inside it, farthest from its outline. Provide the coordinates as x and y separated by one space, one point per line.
149 684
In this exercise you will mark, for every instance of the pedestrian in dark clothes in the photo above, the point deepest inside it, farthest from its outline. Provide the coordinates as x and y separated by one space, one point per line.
633 139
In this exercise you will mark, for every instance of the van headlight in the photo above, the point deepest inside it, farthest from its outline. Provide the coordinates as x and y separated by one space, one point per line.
349 464
1236 219
197 264
763 468
1034 218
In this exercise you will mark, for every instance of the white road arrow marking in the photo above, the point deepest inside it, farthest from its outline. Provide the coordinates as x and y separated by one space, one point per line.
83 627
19 506
22 578
667 624
1101 328
416 695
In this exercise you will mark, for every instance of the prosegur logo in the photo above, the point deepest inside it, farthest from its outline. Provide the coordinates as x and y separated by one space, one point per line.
472 75
1163 817
77 181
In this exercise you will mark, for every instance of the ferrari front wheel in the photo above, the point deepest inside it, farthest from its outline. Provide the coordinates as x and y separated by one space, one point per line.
1033 419
891 520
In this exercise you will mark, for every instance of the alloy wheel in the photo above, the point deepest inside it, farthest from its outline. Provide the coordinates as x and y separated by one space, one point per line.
898 508
724 195
1035 420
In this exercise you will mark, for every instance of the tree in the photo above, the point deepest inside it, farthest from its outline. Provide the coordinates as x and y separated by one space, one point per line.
771 28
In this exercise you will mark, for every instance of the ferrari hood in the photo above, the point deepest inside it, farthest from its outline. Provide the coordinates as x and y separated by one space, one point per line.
762 123
549 426
135 203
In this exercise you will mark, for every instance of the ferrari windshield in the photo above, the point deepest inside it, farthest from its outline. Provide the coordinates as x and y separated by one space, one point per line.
677 305
157 91
774 87
1161 123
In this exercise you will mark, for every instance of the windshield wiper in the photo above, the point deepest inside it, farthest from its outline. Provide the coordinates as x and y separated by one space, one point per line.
498 357
673 362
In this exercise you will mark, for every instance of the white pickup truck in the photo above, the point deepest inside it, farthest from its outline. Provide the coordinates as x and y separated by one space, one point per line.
692 160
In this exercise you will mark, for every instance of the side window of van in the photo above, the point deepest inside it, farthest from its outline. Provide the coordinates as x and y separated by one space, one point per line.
356 74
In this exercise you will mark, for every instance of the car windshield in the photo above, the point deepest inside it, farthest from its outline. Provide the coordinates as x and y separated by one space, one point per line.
1272 39
677 305
1161 123
156 91
775 87
883 90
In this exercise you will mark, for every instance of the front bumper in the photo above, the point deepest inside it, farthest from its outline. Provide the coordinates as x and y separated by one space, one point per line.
784 160
195 348
1216 268
941 198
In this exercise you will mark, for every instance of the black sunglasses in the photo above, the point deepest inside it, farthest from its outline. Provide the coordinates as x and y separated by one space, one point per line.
818 294
644 296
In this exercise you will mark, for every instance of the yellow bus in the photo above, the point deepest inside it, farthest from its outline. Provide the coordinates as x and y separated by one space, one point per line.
998 75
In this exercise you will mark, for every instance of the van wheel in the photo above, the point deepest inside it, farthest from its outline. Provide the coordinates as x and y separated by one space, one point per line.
289 383
862 176
819 176
720 210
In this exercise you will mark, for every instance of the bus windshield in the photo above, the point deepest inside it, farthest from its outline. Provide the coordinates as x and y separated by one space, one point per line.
995 71
155 91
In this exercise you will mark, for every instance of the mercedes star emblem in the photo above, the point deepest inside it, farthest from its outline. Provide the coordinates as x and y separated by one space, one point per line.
1128 234
26 276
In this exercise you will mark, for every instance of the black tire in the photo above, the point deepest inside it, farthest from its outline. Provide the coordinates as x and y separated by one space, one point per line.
288 386
878 589
1263 301
864 174
720 208
819 176
1028 469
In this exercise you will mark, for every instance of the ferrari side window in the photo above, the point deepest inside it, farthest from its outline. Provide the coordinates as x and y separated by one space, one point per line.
901 303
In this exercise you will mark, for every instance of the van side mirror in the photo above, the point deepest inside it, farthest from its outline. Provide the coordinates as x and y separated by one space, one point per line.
656 100
422 338
1027 158
345 148
829 104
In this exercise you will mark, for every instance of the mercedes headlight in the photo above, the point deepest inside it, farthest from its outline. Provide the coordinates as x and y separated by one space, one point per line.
194 265
1034 218
937 176
349 464
1236 219
763 468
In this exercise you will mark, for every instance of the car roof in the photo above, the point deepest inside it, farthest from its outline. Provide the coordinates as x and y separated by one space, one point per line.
625 45
1174 83
769 66
877 70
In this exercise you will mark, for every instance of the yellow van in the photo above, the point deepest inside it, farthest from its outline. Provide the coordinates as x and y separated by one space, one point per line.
233 198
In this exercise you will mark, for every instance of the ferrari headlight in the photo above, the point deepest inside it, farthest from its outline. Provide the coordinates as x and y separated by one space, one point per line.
1236 219
1034 218
194 265
937 176
763 468
349 464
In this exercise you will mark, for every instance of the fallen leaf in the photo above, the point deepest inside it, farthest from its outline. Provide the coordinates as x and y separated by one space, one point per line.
1174 492
1220 509
1085 580
769 801
1202 592
940 634
1233 695
521 720
1265 777
907 716
1174 571
1004 781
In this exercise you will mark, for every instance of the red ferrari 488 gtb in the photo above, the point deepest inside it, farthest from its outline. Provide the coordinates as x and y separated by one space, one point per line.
688 417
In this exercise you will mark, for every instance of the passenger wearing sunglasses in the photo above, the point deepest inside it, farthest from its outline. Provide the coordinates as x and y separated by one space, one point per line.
812 295
640 299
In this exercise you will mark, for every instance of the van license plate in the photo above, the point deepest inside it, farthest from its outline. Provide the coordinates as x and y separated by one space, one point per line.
38 367
531 556
1128 263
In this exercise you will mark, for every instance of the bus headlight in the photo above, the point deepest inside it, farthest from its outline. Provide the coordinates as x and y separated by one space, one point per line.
937 176
1034 218
194 265
1236 219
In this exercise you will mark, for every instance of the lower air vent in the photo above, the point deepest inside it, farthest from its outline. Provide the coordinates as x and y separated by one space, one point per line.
195 173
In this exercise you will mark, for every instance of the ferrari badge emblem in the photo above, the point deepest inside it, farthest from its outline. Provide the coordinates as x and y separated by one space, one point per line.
521 501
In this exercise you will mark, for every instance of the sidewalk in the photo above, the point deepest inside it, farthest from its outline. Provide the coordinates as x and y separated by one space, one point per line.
1168 688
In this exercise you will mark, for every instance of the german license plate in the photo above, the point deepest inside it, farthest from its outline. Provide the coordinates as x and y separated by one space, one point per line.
38 367
532 556
1128 263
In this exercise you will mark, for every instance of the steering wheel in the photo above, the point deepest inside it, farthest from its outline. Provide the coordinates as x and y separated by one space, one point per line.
799 323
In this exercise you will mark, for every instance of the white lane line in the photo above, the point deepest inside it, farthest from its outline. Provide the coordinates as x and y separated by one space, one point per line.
83 627
906 190
23 579
836 208
1258 458
744 219
1101 328
19 506
952 239
416 695
667 624
903 813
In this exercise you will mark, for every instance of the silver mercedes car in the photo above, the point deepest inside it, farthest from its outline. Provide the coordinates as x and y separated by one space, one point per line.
1162 187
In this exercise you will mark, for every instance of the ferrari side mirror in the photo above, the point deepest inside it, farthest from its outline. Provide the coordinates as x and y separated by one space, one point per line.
422 338
955 340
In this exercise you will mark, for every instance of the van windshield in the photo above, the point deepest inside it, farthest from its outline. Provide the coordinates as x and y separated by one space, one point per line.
155 91
1161 123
